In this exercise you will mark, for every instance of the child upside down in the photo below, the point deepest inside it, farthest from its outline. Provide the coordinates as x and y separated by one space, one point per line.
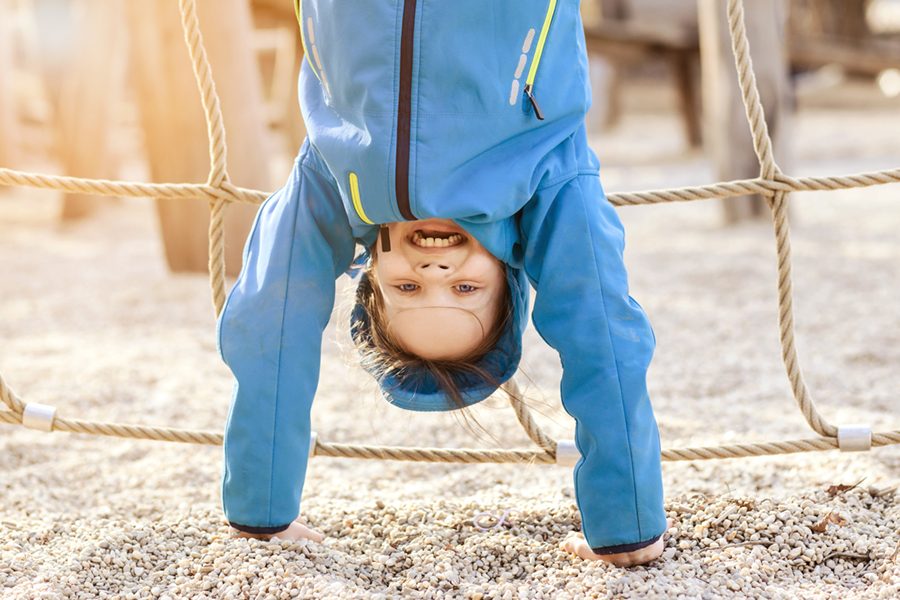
448 140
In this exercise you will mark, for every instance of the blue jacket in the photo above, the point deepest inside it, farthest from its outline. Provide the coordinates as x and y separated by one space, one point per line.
472 111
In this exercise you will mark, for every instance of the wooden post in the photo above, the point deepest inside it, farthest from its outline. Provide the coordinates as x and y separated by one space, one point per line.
279 15
89 93
605 73
175 128
55 38
844 20
685 74
726 131
8 115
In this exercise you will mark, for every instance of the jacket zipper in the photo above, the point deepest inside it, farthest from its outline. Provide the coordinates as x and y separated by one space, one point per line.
536 60
404 108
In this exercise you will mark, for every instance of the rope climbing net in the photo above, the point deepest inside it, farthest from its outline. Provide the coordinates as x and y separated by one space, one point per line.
218 190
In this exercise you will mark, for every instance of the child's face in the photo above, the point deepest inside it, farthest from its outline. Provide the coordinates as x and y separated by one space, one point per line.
441 288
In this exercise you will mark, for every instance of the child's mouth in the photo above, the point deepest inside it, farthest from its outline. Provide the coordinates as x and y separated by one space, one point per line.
437 239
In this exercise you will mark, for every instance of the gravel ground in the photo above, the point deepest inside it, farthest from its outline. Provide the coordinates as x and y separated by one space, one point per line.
92 323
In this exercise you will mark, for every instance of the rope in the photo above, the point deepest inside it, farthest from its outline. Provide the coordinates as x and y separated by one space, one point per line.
218 150
711 191
218 191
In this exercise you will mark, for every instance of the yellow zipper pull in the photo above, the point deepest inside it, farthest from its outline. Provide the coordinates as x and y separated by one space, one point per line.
534 103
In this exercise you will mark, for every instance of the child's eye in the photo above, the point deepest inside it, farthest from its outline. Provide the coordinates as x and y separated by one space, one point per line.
407 287
465 288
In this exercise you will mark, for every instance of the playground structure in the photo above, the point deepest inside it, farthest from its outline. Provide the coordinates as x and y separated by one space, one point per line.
218 190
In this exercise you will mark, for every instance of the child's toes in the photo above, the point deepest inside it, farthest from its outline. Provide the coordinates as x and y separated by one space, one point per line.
571 542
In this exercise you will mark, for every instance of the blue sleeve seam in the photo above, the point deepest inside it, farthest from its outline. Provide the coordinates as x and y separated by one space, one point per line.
618 375
280 348
567 177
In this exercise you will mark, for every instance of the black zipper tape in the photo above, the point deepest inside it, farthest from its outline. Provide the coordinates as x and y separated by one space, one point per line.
404 108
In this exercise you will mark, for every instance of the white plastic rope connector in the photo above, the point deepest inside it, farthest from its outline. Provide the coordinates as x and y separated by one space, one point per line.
854 438
312 443
566 453
39 416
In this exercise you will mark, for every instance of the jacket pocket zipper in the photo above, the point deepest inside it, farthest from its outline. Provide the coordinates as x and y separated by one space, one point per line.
298 10
357 201
536 59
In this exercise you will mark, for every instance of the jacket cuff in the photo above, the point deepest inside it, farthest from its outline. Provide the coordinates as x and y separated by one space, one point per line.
249 529
625 547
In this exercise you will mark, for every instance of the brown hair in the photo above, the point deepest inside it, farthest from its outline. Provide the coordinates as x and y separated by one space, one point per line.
391 358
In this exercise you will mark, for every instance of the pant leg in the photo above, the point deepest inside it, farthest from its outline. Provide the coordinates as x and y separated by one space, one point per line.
574 258
270 335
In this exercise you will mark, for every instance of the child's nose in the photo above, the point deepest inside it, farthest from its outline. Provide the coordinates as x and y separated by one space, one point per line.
436 266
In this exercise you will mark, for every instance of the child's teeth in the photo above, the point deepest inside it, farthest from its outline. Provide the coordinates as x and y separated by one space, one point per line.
436 242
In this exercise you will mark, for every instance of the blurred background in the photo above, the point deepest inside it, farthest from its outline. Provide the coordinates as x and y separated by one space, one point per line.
105 306
100 88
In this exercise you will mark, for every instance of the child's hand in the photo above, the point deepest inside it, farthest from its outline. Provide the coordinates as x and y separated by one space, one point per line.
576 544
296 531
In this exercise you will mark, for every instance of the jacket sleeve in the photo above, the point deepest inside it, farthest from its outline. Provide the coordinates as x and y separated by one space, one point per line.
270 335
573 256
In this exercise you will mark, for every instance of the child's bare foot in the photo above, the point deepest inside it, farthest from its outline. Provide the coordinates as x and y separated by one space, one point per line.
576 544
296 531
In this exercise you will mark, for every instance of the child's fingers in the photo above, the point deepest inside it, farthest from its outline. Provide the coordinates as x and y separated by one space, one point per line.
670 523
577 545
308 532
566 543
317 536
